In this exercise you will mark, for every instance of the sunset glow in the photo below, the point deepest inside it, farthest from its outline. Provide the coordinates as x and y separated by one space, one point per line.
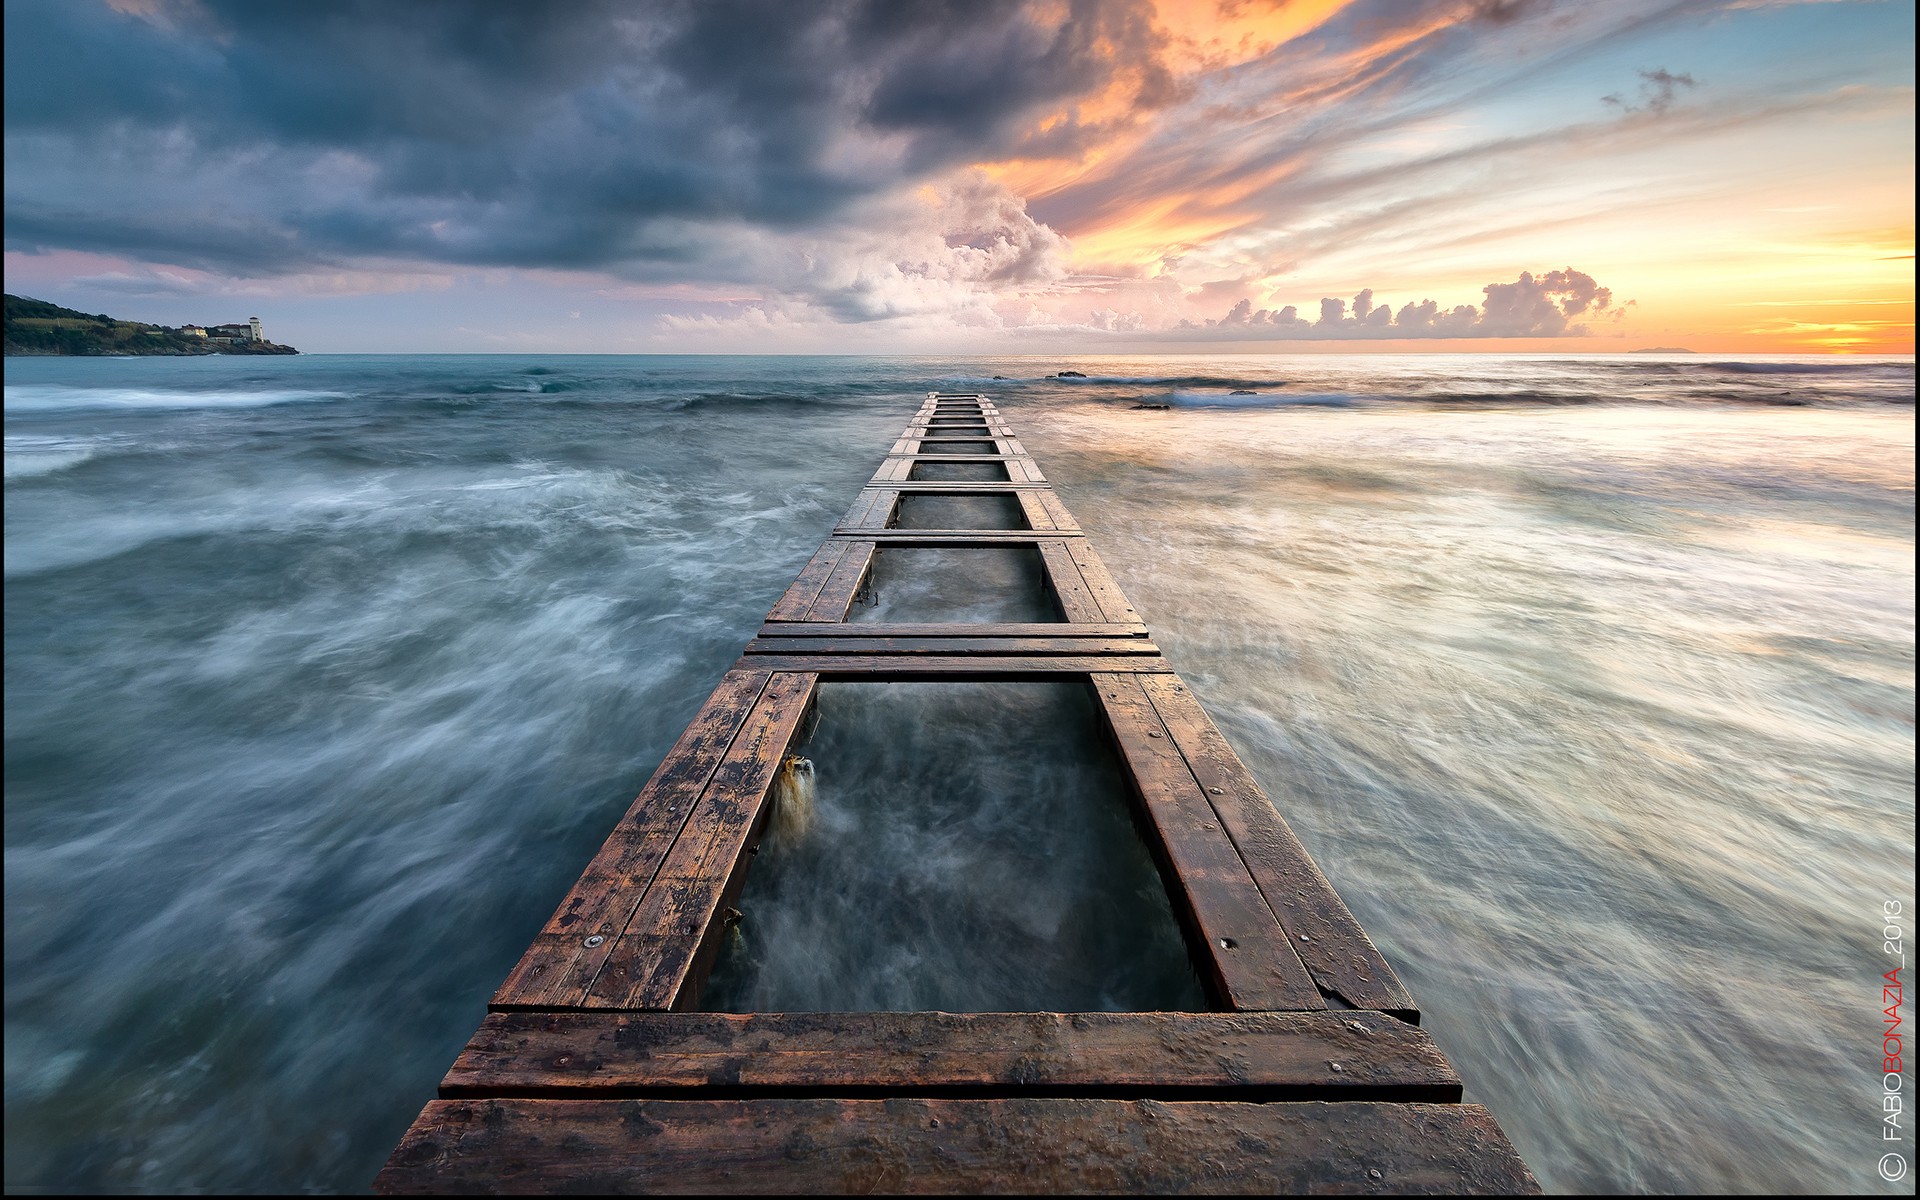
1732 175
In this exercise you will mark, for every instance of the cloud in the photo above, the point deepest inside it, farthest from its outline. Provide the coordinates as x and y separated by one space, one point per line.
1532 306
1106 168
1658 88
229 137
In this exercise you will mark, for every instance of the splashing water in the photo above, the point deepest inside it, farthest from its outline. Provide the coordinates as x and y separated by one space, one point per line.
793 799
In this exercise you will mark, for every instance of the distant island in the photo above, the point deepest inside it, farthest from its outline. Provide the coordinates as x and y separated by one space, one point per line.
35 327
1661 350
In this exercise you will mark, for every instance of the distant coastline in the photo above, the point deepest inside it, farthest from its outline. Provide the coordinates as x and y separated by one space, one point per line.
1661 350
36 328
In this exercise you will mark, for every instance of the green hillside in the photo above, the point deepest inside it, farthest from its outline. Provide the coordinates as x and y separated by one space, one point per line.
37 327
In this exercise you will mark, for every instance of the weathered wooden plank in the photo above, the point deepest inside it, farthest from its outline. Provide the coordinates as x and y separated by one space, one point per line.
1343 960
981 486
861 513
962 458
1076 602
946 537
659 959
1251 961
896 469
1026 467
950 645
1035 512
1269 1056
944 1146
1113 604
894 666
1006 629
848 577
798 599
1062 519
559 966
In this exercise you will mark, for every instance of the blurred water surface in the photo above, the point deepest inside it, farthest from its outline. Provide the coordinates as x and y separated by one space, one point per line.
1588 681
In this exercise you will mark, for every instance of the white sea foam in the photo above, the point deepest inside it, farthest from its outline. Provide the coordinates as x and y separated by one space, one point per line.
1186 398
43 398
29 455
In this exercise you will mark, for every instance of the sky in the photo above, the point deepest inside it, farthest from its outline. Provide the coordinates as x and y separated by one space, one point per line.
952 177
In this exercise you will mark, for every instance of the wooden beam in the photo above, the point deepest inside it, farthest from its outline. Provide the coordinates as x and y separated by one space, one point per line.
1341 957
1010 629
575 942
931 537
968 667
1248 959
1113 603
950 645
1063 574
939 1146
848 578
659 959
798 599
1265 1056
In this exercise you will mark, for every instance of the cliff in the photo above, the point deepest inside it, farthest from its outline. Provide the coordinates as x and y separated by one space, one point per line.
37 327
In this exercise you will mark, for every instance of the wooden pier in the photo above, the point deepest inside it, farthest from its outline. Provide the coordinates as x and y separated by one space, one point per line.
594 1071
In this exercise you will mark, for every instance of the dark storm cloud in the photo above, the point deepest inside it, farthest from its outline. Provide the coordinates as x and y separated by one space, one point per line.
265 137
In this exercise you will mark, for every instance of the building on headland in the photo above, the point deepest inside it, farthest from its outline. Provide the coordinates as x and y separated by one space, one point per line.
232 334
198 331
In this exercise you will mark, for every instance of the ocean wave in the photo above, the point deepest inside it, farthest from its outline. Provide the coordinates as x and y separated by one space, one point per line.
1188 398
753 400
1807 368
28 456
26 398
1168 381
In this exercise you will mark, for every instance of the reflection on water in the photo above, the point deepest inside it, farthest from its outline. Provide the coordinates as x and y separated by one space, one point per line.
969 849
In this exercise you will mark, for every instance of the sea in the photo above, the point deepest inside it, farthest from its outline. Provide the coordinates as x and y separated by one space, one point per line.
1587 680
